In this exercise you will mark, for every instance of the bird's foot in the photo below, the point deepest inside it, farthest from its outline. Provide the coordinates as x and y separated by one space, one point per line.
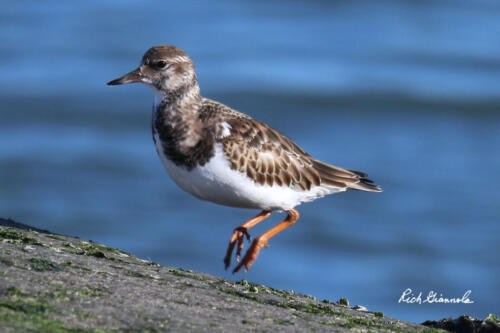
252 253
236 238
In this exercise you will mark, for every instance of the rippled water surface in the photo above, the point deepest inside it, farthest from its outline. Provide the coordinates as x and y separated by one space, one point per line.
405 91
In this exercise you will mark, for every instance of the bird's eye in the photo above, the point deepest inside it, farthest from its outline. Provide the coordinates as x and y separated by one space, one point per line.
161 64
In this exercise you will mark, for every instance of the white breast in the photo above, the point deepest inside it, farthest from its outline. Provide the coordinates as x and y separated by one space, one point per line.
217 182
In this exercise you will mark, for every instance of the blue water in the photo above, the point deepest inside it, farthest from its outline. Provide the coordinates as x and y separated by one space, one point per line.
406 91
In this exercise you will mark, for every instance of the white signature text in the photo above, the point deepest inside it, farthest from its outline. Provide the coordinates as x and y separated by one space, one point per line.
432 297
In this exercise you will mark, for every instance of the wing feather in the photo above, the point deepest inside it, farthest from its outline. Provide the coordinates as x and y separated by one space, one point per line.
269 158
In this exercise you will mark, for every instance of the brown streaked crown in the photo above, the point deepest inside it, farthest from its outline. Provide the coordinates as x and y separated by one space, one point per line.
163 52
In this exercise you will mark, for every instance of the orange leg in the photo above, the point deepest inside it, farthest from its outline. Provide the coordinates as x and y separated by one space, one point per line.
261 241
238 233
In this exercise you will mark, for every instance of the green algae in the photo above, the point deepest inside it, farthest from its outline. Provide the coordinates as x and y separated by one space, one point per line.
34 317
353 323
104 248
321 309
14 292
282 321
343 301
95 253
493 319
89 292
25 299
95 250
72 265
312 308
185 273
55 237
136 274
13 237
27 306
238 294
259 288
318 309
43 265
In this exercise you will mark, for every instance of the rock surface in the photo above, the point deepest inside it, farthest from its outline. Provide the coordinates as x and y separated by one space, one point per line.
54 283
466 324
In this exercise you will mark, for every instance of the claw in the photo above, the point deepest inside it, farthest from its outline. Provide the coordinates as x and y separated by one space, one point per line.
245 232
241 244
239 234
236 237
251 254
261 241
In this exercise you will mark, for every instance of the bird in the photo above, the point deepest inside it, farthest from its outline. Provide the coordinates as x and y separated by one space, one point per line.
224 156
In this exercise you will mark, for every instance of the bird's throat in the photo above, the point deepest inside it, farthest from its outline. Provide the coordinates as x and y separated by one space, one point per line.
176 121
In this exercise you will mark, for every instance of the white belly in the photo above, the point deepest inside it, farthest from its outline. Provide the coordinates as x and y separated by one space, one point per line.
217 182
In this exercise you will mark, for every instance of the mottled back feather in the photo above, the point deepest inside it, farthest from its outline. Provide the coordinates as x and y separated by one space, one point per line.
270 158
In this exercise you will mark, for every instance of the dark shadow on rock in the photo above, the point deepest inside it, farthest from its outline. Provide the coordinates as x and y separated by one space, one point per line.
14 224
466 324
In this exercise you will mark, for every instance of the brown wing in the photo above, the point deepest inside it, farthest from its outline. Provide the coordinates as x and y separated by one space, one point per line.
269 157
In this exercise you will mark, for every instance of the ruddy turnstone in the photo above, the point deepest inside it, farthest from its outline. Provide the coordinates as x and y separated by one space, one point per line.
224 156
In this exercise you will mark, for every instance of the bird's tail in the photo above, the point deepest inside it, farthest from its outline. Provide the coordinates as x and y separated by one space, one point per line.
343 178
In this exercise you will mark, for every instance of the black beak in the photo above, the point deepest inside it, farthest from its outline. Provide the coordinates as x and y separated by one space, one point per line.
134 76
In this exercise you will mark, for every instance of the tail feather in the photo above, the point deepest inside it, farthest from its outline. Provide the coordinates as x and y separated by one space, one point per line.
344 178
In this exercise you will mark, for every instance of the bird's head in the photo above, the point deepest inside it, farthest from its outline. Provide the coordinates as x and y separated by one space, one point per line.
165 68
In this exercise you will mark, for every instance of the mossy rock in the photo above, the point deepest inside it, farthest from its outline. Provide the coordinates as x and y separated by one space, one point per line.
54 283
